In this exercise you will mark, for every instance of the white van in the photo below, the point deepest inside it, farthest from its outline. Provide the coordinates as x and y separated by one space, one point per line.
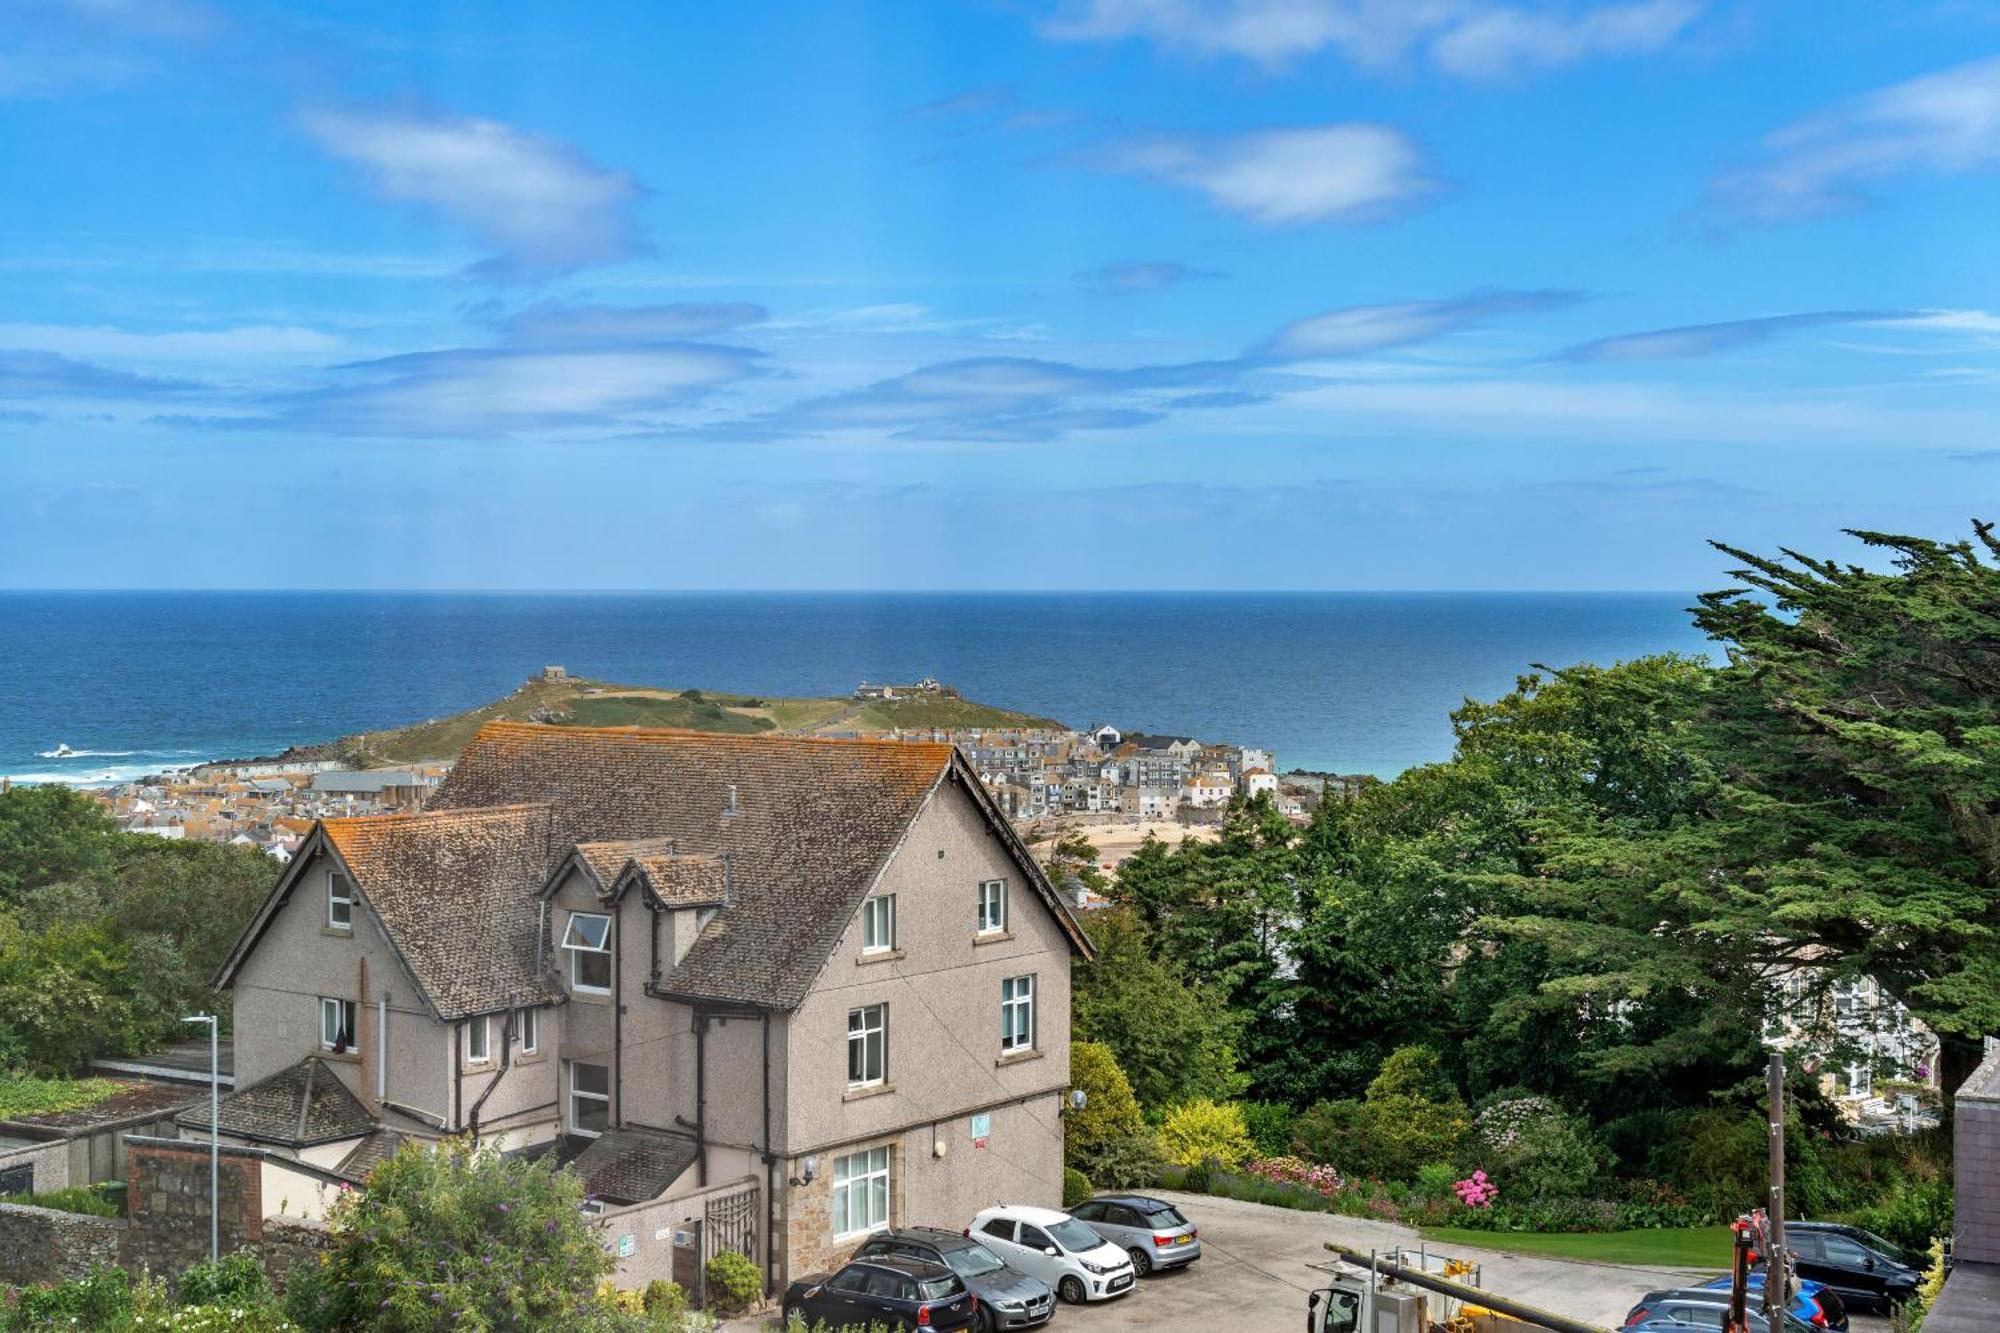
1063 1252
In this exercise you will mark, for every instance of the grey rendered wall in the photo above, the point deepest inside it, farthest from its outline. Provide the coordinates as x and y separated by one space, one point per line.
1977 1157
277 993
582 1027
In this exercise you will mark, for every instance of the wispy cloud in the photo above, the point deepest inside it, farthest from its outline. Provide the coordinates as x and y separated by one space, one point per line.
539 203
1354 172
55 47
1126 277
1356 330
1942 124
36 374
547 325
246 342
1470 39
1706 339
996 106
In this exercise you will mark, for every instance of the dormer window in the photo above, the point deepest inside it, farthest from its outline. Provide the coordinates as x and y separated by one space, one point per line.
339 901
587 941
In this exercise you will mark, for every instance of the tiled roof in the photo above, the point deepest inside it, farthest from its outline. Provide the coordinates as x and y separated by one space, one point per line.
370 1153
298 1106
679 881
633 1165
605 859
814 822
456 891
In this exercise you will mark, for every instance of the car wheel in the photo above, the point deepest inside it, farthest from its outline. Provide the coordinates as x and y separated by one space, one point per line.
1071 1290
988 1321
793 1314
1142 1263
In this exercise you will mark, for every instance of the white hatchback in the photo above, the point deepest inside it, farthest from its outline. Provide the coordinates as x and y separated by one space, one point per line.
1063 1252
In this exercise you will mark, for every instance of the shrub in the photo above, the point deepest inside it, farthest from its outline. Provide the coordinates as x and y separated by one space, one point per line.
1435 1179
1914 1215
1476 1191
1270 1126
103 1298
1076 1187
1322 1180
85 1199
733 1281
665 1301
1390 1138
1539 1149
1202 1130
454 1233
1107 1139
214 1319
234 1279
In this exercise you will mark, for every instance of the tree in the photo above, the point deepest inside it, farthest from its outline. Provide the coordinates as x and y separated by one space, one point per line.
1072 856
1173 1039
451 1236
51 833
1106 1139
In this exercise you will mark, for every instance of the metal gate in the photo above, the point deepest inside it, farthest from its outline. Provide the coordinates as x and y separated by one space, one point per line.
729 1222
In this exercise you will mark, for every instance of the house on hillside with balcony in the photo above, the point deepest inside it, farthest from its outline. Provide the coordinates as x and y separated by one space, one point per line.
825 974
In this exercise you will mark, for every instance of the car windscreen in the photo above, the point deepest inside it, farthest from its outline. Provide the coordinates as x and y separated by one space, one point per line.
1166 1215
938 1288
973 1261
1074 1236
1891 1250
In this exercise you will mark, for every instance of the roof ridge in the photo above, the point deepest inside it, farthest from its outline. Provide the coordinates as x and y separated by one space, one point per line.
448 812
726 737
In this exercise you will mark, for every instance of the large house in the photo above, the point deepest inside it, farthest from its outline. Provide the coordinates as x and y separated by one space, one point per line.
826 969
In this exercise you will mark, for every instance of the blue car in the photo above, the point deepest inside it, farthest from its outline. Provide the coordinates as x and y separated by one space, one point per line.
1816 1303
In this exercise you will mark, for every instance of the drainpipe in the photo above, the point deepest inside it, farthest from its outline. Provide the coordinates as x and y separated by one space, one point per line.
506 1062
770 1162
701 1098
618 1029
381 1046
457 1073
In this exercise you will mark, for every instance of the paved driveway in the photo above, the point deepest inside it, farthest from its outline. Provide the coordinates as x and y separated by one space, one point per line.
1258 1263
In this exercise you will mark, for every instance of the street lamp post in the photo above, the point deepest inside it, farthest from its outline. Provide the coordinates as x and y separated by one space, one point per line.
214 1132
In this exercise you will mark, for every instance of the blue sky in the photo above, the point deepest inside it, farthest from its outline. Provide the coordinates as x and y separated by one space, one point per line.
1000 294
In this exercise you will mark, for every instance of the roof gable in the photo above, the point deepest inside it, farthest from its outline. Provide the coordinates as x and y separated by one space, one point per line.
300 1105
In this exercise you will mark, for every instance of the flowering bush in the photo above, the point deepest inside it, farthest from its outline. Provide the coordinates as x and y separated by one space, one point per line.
1297 1171
1201 1131
1542 1150
1476 1191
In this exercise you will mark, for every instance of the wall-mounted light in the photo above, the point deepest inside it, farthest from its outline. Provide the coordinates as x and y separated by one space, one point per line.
1078 1099
808 1168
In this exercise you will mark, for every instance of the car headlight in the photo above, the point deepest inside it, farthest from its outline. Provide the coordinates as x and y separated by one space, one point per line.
1100 1269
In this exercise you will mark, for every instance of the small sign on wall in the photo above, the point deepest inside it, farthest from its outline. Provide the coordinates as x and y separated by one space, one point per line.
982 1128
626 1245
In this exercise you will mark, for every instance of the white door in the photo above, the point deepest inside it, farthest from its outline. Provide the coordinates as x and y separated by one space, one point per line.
999 1234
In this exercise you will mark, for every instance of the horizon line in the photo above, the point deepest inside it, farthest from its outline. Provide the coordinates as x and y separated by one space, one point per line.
854 592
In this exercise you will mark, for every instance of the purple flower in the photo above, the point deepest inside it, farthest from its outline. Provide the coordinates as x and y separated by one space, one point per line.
506 1207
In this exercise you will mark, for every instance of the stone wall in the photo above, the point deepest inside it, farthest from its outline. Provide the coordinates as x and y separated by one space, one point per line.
42 1245
288 1241
166 1192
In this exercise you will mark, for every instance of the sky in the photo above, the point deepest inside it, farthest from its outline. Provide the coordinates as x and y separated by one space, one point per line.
939 294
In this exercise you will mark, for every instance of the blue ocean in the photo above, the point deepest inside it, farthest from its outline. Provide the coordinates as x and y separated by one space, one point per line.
1343 682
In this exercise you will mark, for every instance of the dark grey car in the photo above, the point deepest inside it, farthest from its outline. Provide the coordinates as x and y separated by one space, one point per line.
1007 1299
1152 1231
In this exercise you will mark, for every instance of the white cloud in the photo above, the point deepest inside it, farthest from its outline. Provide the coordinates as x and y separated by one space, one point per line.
1942 124
1354 330
1353 172
1471 39
99 342
538 202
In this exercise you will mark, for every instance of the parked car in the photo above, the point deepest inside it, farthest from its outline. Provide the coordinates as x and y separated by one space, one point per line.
1063 1252
1007 1299
1865 1269
901 1293
1816 1303
1152 1231
1682 1309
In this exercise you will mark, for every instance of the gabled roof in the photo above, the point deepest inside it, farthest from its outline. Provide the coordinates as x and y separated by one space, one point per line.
299 1106
633 1165
677 881
370 1153
454 893
811 825
603 861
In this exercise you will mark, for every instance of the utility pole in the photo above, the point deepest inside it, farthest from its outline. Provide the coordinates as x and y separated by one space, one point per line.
214 1133
1777 1293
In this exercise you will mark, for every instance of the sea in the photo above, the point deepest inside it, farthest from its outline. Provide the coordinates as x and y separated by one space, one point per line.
1350 682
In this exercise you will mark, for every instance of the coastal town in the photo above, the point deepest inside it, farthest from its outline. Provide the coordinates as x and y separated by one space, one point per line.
1116 787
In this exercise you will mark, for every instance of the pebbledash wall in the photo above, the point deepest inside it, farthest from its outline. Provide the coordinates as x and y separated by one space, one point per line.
166 1230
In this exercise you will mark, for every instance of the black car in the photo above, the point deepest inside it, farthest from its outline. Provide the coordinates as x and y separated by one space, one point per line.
1863 1268
1007 1299
901 1293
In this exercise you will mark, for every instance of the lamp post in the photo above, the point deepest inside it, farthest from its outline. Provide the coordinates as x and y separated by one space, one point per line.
214 1133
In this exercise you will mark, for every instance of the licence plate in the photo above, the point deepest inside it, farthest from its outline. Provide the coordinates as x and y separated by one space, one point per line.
1182 1240
1119 1283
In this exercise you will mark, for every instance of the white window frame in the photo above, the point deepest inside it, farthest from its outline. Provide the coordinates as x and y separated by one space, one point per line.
878 924
576 1094
1017 1014
860 1202
480 1051
345 901
992 895
878 1029
528 1030
578 946
345 1013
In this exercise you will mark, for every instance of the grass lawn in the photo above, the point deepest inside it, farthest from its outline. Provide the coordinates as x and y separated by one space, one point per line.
1683 1247
23 1094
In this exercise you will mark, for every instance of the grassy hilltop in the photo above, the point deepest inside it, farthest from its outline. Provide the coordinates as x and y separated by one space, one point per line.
594 703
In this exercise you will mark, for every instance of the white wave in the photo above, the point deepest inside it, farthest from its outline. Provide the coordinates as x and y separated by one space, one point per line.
93 776
112 754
